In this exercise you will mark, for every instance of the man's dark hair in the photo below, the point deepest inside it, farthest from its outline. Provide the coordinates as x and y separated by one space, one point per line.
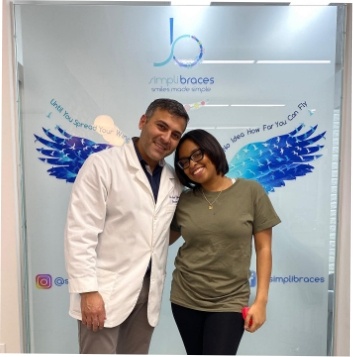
170 105
210 147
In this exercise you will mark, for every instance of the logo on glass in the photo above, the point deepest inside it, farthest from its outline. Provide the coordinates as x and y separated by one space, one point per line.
252 279
186 63
44 281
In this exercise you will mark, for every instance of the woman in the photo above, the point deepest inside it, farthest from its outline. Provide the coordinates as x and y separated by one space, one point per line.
217 217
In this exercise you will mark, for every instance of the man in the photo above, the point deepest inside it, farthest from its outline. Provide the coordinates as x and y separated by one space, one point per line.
117 234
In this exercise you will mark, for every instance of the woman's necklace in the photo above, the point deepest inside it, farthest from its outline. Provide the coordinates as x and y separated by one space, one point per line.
210 204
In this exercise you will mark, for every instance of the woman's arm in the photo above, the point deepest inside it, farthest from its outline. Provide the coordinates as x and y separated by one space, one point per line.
173 236
257 311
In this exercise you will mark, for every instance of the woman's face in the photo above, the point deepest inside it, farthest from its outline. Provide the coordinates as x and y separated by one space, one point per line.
201 171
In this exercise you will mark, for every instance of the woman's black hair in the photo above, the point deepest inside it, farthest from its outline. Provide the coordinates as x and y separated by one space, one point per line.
210 146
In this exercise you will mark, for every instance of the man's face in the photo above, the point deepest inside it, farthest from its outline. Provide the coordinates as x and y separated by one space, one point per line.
159 135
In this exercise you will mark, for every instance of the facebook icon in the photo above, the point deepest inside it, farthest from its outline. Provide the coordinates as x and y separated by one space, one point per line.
252 279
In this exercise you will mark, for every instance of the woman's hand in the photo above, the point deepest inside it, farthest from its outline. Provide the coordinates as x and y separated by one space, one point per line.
255 317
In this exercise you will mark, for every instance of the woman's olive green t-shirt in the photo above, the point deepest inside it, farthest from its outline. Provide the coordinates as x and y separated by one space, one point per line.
212 266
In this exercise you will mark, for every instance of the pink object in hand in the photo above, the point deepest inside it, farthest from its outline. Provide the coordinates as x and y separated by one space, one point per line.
244 312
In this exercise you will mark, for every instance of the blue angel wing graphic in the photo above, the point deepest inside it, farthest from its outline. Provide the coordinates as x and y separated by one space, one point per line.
67 153
278 159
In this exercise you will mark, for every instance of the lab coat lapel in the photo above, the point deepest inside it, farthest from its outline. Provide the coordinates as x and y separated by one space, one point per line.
167 178
166 184
135 167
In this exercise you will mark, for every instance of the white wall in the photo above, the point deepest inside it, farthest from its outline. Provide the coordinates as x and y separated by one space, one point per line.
10 320
342 318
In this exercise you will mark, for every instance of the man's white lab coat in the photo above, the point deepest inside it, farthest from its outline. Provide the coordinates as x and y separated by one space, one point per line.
114 228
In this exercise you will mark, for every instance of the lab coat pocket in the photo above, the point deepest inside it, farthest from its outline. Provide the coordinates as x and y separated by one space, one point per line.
165 215
170 209
107 281
106 285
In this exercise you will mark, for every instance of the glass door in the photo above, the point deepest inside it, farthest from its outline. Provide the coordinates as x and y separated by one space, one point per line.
253 76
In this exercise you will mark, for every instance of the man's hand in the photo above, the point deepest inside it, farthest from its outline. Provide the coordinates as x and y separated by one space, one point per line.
93 311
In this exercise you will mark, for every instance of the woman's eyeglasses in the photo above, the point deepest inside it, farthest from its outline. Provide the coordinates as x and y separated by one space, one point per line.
184 163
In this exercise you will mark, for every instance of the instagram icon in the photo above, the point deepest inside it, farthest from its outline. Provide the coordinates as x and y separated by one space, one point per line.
43 281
